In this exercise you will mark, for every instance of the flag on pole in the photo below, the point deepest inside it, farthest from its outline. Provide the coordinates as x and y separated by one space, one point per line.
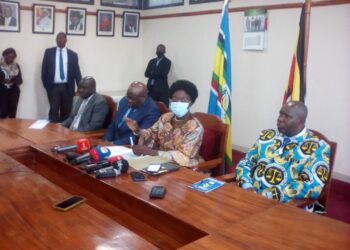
220 92
296 87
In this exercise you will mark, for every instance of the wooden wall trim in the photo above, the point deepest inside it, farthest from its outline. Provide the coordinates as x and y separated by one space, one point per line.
240 9
218 11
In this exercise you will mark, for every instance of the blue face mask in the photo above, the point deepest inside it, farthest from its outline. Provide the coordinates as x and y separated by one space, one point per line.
179 108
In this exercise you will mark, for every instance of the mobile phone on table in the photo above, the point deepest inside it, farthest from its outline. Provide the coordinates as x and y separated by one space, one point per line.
69 203
137 176
157 192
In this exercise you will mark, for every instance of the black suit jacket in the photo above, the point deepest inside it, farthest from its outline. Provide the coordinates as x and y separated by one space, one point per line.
158 74
49 65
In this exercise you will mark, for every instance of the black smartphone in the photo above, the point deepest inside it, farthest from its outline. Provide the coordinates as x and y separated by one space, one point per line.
69 203
157 192
137 176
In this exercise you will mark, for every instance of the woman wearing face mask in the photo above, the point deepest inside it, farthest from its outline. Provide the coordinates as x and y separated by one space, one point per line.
177 135
9 90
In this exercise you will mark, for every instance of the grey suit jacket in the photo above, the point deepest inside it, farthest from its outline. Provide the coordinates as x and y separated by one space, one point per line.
93 116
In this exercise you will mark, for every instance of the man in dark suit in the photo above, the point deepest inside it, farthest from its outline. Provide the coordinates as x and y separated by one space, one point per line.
59 73
90 109
9 19
137 106
75 19
157 72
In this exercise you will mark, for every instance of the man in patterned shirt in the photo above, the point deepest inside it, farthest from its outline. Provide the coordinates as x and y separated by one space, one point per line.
289 163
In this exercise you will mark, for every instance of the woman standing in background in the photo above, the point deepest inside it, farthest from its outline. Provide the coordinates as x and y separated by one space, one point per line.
9 88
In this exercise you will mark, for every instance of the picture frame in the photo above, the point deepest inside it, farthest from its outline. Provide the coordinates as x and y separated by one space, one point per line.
153 4
131 24
105 20
10 20
43 19
128 4
203 1
76 21
74 1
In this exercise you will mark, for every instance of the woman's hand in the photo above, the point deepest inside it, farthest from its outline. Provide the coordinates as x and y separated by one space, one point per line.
143 150
132 124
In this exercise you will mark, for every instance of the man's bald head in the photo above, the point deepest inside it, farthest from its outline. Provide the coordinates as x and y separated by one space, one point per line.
299 109
136 94
87 87
292 118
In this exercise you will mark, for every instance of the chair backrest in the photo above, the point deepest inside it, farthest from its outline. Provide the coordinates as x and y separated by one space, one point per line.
214 138
162 107
322 199
112 108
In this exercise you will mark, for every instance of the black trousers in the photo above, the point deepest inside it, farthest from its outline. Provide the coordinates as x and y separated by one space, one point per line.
60 103
159 94
9 101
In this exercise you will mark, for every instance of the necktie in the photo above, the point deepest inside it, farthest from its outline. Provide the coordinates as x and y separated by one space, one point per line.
76 121
61 66
130 110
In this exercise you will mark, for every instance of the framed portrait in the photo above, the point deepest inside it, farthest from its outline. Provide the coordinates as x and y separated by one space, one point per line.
129 4
43 19
105 23
76 21
203 1
74 1
9 16
131 24
150 4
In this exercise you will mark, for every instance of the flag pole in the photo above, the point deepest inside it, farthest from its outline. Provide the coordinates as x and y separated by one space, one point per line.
306 37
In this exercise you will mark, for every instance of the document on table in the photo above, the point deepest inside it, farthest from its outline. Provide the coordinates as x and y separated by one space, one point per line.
206 185
39 124
136 161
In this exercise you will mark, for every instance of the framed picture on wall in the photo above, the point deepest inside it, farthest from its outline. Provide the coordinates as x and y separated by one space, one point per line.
105 23
203 1
75 1
76 21
43 19
150 4
131 24
130 4
9 16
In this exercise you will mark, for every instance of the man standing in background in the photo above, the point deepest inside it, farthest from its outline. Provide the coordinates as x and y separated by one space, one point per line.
59 73
157 73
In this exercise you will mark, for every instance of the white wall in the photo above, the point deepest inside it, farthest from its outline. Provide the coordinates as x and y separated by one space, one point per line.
258 78
113 61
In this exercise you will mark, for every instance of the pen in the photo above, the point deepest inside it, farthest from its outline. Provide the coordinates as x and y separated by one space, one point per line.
131 141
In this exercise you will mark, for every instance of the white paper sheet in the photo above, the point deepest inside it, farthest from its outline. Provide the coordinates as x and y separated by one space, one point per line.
39 124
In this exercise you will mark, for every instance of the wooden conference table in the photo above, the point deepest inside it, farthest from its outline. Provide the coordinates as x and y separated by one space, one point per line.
118 212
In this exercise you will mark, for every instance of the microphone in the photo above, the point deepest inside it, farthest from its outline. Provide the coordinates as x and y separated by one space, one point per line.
119 166
80 145
100 153
80 159
105 163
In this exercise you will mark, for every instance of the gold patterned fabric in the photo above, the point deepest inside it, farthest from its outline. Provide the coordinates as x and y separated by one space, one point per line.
179 144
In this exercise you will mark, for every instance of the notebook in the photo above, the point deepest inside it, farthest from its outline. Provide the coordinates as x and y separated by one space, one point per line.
206 185
165 167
